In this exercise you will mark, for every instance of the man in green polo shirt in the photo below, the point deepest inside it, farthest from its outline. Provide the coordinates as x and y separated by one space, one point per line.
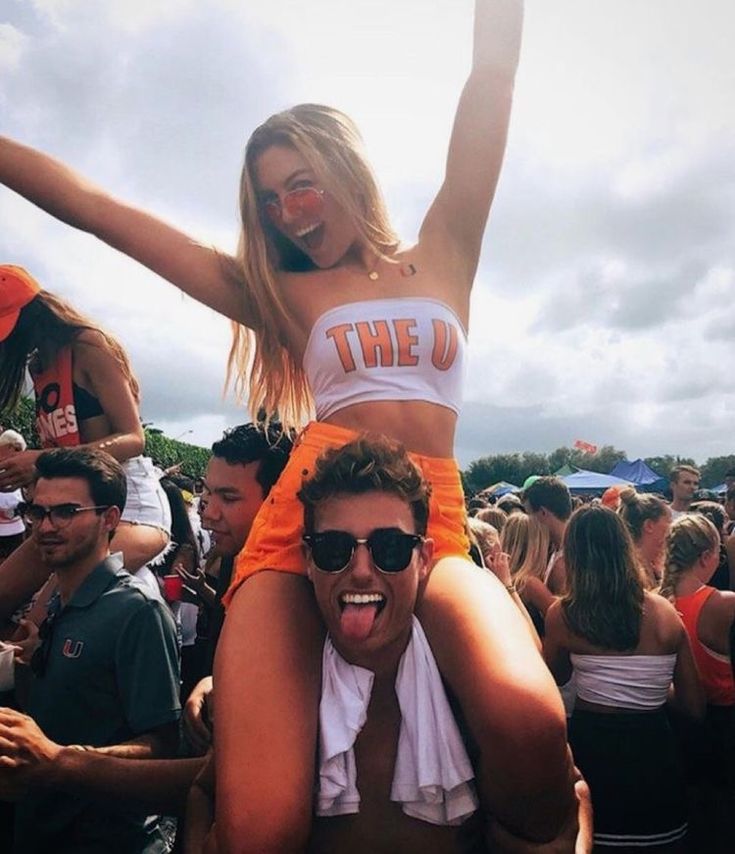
106 675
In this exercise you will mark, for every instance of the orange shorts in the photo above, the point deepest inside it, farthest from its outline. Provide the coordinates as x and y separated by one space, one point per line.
275 537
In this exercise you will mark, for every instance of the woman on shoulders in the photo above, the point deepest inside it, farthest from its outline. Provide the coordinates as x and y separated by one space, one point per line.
339 317
626 647
86 395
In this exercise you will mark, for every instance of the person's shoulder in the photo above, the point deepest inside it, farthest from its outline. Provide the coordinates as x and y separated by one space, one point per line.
722 602
133 594
664 616
87 340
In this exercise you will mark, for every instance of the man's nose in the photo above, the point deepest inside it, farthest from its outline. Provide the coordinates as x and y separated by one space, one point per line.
210 511
362 567
45 524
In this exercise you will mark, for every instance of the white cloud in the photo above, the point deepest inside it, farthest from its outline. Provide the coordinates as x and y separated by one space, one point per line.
602 306
12 45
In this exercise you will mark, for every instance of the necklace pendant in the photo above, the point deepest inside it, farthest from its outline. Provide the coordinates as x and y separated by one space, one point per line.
373 276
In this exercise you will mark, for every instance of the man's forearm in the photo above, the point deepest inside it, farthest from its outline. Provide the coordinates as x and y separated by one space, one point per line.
161 785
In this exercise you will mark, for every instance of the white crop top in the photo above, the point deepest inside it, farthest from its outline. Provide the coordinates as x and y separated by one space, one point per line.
638 682
402 348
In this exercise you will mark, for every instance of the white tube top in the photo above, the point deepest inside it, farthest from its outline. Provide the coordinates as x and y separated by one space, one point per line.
402 348
637 682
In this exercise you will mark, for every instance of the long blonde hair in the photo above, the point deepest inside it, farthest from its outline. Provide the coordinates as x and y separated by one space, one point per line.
527 543
689 538
259 363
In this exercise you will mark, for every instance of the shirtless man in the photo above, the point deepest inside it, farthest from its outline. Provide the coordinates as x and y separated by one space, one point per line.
366 509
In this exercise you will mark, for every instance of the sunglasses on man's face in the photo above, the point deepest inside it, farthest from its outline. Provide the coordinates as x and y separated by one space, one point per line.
60 515
301 203
390 549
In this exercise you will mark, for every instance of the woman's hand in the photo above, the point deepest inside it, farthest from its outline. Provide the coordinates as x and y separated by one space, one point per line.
498 563
18 470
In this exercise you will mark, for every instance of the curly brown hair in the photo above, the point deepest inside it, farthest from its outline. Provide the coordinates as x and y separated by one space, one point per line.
367 464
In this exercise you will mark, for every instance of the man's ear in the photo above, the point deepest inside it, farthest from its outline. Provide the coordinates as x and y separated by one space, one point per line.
426 554
111 517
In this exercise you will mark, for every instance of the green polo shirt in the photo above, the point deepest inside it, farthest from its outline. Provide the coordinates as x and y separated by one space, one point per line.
112 674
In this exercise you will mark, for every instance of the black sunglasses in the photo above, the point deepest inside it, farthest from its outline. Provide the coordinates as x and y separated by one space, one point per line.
390 549
59 515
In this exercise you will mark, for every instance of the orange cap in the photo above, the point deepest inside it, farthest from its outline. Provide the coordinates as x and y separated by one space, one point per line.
17 289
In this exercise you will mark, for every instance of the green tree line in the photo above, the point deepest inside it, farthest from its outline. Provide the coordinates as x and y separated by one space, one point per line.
162 450
480 473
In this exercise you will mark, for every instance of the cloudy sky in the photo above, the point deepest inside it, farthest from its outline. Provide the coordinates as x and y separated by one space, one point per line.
605 302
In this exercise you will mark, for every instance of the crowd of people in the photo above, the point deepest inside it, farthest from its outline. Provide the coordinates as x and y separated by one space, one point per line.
388 676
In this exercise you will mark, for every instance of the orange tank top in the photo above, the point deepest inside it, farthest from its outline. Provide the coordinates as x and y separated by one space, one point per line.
56 418
715 670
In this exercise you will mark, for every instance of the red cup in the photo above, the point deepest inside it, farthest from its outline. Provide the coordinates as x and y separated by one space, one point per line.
173 587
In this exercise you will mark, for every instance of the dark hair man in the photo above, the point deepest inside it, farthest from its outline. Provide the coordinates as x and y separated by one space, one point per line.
245 464
384 714
684 482
549 500
105 675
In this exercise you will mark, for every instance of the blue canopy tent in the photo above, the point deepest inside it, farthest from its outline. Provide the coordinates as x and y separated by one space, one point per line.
644 478
592 481
502 488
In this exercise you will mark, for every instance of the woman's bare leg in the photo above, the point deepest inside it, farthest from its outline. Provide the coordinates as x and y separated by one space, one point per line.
267 685
138 543
512 706
24 572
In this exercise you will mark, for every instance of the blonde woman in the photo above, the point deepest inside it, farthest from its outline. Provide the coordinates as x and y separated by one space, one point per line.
692 557
648 518
86 395
526 541
339 316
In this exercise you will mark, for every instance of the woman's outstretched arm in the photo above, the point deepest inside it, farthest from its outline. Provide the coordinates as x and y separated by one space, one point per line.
459 212
198 270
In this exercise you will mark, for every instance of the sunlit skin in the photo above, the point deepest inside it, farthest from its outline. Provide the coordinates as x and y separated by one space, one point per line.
342 277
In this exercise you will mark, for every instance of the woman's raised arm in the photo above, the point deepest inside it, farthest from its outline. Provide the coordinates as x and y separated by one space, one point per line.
198 270
478 139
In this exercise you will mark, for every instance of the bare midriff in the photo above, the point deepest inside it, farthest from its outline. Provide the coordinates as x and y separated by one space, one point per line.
423 428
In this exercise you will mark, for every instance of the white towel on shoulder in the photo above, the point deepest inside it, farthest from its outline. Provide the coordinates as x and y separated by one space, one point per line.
432 777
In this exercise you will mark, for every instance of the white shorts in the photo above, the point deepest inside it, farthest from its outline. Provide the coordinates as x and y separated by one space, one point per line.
147 503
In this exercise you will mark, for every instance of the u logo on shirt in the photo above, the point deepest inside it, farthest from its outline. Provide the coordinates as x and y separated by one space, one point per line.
72 648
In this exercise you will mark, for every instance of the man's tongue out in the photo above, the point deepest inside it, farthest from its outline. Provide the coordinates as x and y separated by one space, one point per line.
357 621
